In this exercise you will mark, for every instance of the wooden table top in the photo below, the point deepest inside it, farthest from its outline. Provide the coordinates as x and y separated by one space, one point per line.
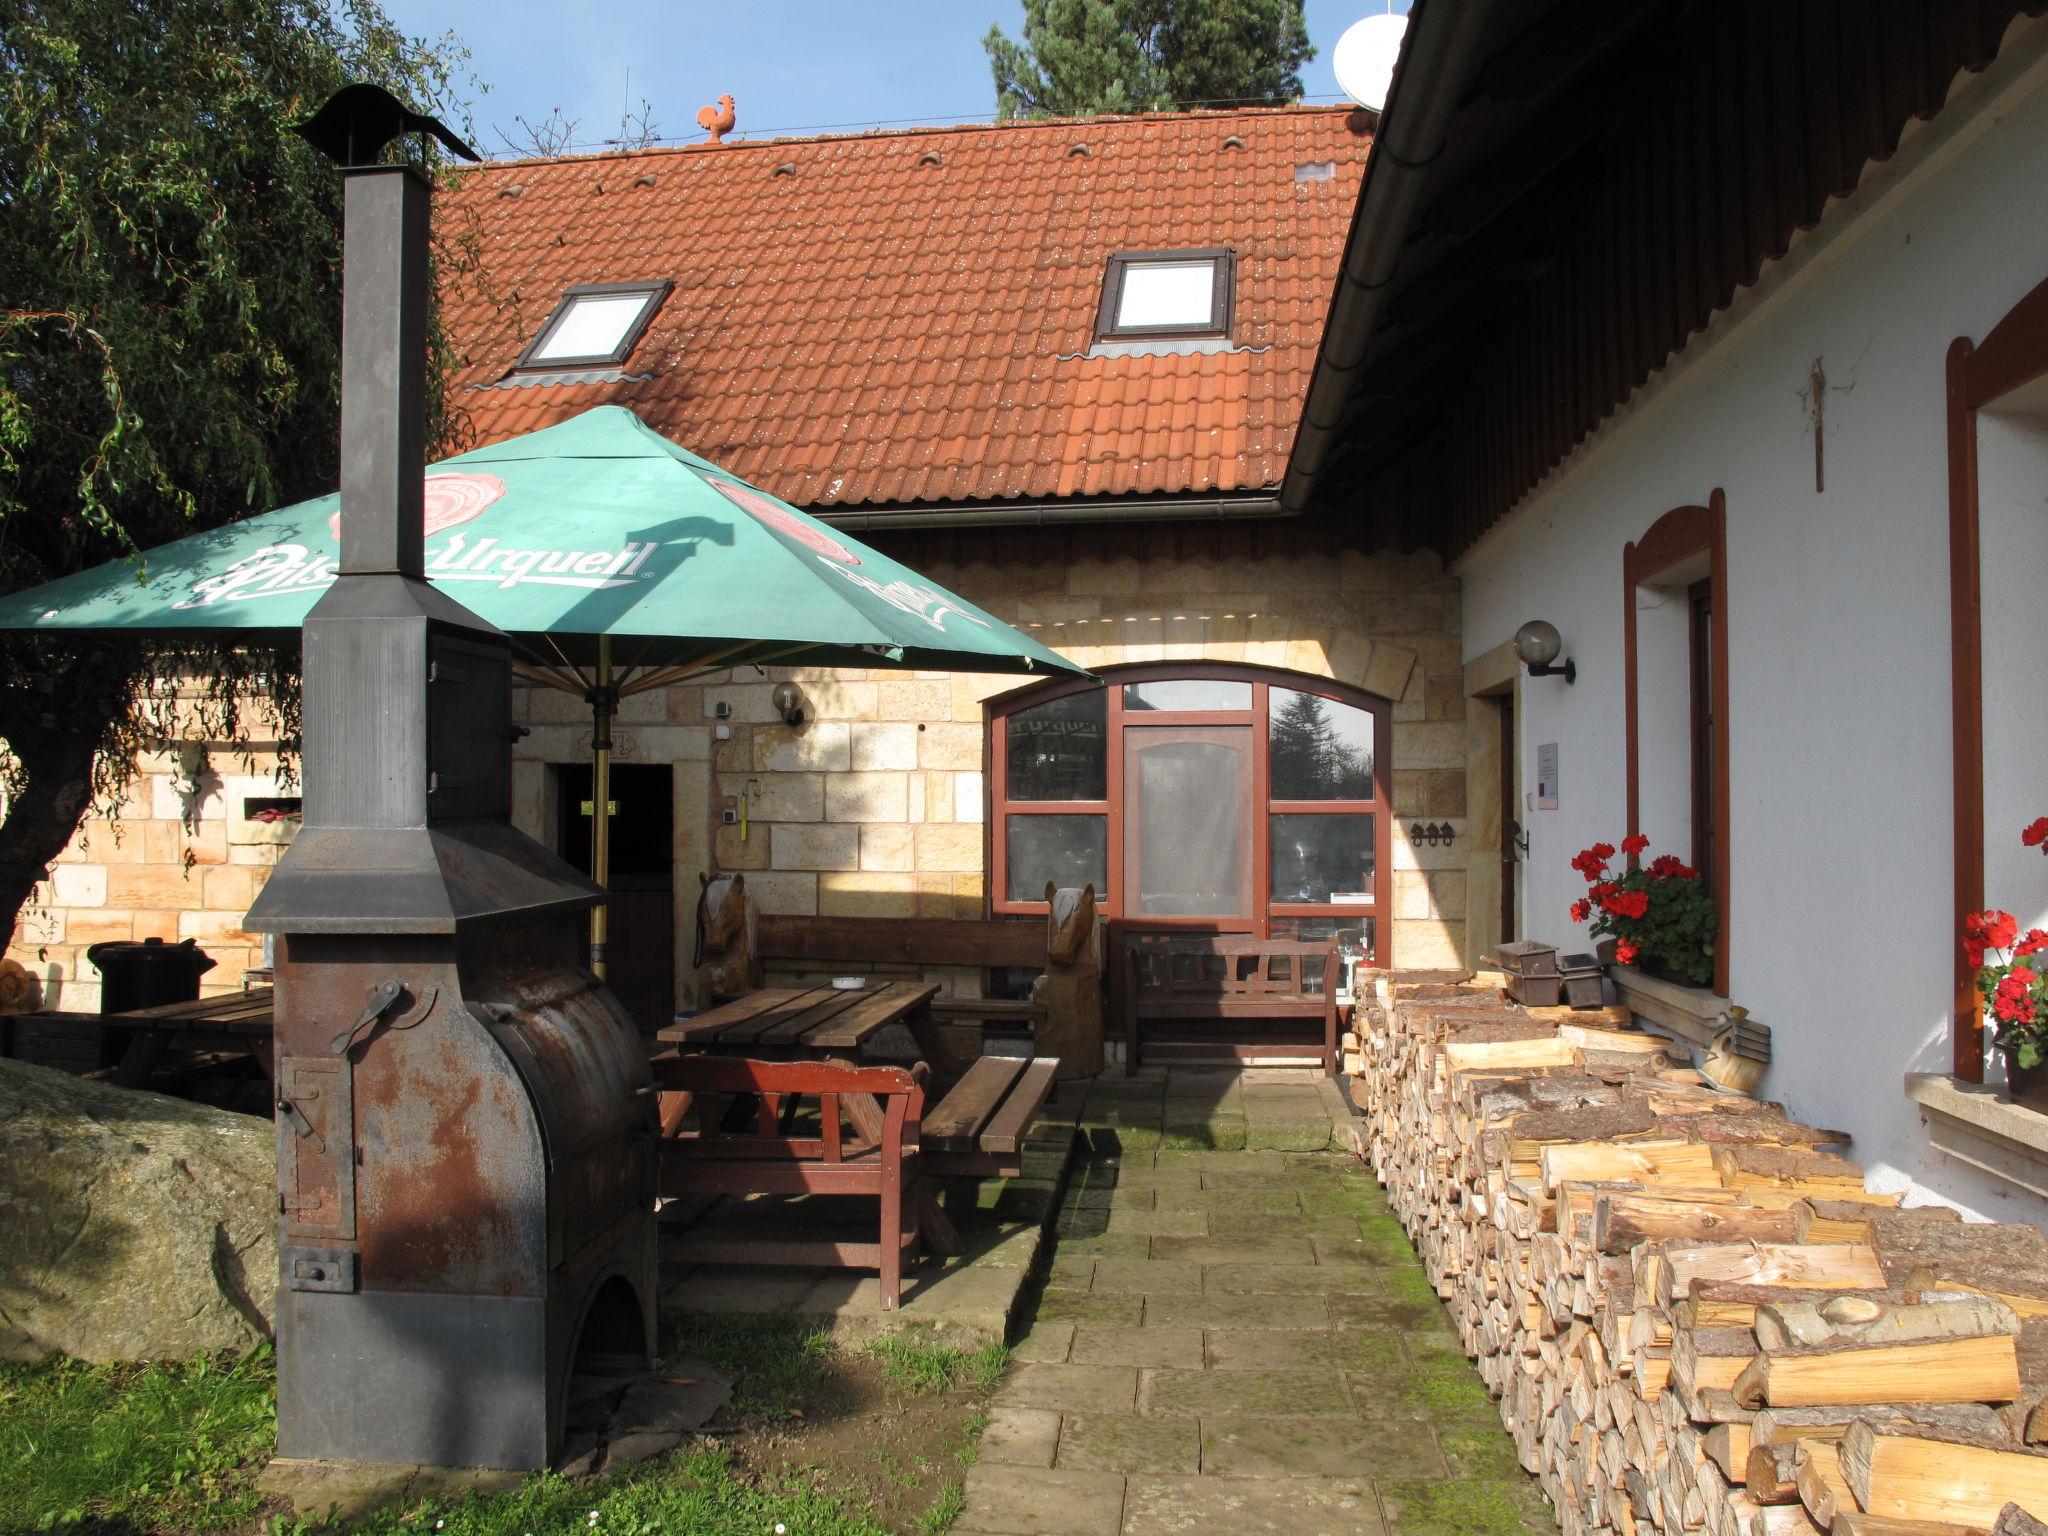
800 1020
237 1012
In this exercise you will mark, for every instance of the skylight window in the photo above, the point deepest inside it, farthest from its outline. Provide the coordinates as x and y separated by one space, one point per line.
595 326
1166 294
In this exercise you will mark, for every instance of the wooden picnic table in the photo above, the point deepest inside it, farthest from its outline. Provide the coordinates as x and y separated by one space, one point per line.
237 1023
825 1023
815 1023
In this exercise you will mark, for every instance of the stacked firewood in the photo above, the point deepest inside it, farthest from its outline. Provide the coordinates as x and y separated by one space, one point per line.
1694 1314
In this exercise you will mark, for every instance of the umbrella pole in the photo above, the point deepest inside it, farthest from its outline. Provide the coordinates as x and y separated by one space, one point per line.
603 701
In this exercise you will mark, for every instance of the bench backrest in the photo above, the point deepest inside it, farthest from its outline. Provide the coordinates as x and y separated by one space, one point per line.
1229 965
903 940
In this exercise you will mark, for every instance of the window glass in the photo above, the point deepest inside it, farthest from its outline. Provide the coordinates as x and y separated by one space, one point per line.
1188 693
1321 749
592 325
1059 750
1321 859
1354 935
1167 293
1191 834
1066 850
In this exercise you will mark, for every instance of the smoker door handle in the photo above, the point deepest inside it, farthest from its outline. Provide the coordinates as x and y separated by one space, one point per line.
297 1117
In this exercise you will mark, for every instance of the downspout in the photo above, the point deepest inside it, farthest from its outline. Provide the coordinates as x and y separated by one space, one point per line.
1438 60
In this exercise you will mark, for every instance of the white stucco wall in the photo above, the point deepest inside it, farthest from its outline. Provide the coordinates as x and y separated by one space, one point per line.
1837 608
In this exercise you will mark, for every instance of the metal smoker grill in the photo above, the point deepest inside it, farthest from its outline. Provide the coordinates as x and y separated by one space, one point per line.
465 1118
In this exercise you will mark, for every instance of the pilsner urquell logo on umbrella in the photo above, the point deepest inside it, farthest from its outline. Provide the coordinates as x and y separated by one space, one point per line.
451 501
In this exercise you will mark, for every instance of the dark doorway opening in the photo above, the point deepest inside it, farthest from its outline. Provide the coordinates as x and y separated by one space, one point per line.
641 943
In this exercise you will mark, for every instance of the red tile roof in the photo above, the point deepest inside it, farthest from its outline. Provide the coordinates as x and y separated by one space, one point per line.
856 323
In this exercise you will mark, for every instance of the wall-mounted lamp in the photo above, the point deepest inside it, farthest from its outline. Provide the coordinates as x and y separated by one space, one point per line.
1436 832
788 700
1537 643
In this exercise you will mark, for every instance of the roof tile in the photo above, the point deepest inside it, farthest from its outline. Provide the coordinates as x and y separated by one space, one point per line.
873 329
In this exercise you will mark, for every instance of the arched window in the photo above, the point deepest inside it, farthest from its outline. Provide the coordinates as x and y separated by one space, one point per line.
1198 797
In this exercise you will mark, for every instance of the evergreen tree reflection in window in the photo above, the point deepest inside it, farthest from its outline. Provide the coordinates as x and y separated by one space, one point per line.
1321 750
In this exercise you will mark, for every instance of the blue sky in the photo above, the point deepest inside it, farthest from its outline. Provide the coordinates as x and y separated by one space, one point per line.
793 65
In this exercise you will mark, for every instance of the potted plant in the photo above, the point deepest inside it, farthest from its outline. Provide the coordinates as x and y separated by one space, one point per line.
1660 915
2014 989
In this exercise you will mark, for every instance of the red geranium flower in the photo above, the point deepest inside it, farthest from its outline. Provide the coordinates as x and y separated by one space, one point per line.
1634 845
1625 951
1602 851
1581 910
2035 834
2031 942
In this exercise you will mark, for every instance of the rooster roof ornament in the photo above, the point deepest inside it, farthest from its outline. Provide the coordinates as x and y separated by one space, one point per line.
717 121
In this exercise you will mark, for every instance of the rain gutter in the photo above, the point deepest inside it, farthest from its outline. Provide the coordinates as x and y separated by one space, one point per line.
1439 57
1041 514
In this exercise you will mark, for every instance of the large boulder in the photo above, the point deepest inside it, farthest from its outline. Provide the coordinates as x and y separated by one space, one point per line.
131 1225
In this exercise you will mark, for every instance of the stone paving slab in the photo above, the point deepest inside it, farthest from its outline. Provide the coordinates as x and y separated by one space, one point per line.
1293 1506
1239 1341
1130 1442
1096 1345
1030 1501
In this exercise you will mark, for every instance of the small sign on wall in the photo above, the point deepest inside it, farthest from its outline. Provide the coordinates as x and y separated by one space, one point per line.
1546 776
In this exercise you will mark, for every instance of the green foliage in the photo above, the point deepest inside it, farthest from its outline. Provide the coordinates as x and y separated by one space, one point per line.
1663 911
146 1447
169 342
1082 57
1310 759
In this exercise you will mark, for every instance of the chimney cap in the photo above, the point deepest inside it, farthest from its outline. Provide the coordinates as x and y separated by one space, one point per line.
359 120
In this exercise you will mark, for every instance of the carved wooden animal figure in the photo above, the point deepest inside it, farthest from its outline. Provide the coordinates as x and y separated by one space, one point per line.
725 965
1071 987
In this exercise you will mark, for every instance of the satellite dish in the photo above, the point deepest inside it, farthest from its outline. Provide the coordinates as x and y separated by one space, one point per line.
1365 56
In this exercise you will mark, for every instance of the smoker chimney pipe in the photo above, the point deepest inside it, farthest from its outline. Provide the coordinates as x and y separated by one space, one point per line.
384 371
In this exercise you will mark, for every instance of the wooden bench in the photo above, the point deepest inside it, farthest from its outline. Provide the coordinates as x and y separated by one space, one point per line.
976 1131
919 941
1192 997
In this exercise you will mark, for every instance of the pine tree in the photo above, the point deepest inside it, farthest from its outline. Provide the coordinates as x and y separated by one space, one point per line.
1082 57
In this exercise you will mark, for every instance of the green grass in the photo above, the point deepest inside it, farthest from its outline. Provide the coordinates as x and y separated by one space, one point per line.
696 1493
914 1366
945 1509
164 1448
779 1364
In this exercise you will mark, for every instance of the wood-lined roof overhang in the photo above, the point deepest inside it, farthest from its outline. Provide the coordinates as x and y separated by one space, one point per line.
1600 178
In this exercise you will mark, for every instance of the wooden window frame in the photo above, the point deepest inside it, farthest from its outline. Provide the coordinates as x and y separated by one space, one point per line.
998 807
1222 297
657 293
1678 536
2013 353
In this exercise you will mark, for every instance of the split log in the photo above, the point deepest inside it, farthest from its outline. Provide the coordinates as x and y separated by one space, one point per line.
1645 1162
1817 1471
1772 1473
1783 1520
2014 1521
1621 1221
1982 1370
1852 1522
1806 1266
1967 1421
1911 1478
1866 1320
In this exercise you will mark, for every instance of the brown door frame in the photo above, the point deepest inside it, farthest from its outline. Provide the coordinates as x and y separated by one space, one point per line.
2014 352
1678 535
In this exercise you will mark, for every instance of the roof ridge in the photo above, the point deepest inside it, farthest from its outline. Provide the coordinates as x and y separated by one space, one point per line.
1115 120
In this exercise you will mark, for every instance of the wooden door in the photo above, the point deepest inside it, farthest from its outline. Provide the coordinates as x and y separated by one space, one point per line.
641 941
1510 821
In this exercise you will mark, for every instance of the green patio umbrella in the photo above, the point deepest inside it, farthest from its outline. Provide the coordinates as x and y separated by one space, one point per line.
616 561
